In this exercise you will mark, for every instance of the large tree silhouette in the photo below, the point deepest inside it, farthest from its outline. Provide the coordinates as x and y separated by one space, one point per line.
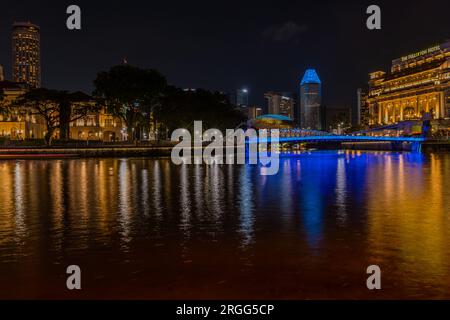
57 108
130 93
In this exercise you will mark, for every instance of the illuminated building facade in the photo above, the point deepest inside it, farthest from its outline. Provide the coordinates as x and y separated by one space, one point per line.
416 84
311 101
26 54
280 103
23 123
17 124
98 126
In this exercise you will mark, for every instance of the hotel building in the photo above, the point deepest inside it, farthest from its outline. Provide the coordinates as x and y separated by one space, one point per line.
416 84
26 54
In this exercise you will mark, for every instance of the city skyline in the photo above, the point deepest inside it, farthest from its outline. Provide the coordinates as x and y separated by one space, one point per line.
227 60
197 152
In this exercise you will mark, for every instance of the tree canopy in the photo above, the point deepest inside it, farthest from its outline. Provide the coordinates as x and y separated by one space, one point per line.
180 108
130 93
57 108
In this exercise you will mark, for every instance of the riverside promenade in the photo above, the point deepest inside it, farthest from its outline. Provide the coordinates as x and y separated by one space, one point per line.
164 150
85 151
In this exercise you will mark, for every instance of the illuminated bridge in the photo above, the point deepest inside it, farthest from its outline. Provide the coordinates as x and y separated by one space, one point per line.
295 136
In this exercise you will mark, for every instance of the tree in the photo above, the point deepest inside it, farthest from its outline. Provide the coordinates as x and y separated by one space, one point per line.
340 120
130 93
73 106
212 108
57 108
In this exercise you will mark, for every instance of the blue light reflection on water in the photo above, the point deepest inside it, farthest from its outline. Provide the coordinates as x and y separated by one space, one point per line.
321 183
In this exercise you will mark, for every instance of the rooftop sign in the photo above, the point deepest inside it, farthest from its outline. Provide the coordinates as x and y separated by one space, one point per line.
421 53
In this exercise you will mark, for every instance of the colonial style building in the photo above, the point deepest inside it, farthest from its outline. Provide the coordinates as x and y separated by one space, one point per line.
23 123
100 126
416 84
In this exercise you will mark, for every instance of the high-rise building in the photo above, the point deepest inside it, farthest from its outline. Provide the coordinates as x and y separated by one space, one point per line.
254 112
242 97
360 116
311 101
280 103
26 54
417 84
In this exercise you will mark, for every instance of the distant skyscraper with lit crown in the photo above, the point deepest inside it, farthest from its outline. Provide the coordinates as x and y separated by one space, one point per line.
242 98
311 101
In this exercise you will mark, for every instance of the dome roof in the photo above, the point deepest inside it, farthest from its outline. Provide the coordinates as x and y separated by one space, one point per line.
273 117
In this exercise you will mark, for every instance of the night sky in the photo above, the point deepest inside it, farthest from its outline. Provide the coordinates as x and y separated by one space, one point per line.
224 45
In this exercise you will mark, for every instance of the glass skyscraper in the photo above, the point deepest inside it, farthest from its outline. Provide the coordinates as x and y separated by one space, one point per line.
311 101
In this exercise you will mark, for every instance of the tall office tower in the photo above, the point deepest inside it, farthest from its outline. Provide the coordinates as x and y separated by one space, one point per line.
242 97
26 54
280 103
2 75
254 112
360 116
311 101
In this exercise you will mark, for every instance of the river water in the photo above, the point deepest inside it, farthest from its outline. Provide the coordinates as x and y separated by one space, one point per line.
147 229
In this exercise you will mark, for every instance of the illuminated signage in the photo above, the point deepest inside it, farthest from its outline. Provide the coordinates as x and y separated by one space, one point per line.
421 53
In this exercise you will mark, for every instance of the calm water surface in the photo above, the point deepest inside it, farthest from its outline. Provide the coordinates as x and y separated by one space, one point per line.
144 228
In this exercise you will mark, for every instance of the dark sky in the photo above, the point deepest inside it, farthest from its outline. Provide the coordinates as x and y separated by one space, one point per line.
223 45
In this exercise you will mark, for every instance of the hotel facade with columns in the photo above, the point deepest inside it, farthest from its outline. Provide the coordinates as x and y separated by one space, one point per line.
416 84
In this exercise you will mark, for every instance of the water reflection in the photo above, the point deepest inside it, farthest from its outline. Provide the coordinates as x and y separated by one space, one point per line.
246 206
19 222
325 213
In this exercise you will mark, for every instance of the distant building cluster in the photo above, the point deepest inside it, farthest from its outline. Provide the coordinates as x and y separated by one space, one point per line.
417 85
304 109
23 122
